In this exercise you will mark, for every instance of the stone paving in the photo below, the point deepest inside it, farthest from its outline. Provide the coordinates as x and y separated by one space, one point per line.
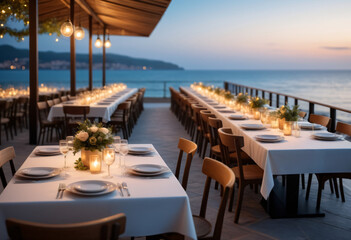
157 125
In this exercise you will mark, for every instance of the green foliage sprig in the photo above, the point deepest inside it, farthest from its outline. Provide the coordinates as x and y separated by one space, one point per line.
228 95
92 136
258 102
290 114
79 165
242 98
18 11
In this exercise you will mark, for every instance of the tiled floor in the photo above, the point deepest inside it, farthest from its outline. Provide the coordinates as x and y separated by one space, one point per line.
157 125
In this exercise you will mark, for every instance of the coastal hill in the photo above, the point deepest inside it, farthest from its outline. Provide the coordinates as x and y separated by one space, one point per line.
14 58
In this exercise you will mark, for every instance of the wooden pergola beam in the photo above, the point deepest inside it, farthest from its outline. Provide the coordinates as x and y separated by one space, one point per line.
85 6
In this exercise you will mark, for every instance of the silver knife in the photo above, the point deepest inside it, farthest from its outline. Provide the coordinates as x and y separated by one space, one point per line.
120 189
124 184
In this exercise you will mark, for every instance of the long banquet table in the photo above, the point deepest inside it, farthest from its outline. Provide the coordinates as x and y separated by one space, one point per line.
156 205
100 109
290 157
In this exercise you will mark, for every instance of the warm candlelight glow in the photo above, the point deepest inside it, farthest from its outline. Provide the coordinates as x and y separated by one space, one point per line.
95 164
287 129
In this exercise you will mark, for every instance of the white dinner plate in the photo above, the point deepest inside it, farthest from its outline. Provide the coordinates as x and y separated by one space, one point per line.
269 138
110 187
213 103
164 170
48 151
226 111
237 117
326 136
139 150
147 168
36 173
219 106
103 103
309 126
91 186
252 126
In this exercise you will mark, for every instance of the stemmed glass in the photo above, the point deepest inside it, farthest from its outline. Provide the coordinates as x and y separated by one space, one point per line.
64 151
123 151
109 158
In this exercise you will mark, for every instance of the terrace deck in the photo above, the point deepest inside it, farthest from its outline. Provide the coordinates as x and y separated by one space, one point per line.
157 125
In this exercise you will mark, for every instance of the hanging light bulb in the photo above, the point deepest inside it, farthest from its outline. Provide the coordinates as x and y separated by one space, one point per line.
67 28
98 42
79 33
108 42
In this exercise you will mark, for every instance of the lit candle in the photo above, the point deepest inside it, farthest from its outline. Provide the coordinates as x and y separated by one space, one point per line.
257 115
287 128
95 164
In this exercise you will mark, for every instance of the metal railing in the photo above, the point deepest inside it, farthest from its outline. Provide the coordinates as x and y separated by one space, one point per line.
276 98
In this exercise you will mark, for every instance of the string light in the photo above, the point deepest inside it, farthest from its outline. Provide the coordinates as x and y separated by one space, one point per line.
67 28
98 42
79 33
1 36
3 11
108 42
56 39
23 39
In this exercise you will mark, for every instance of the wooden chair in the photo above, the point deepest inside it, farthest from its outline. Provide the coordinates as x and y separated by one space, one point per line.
189 148
213 125
205 114
120 118
198 126
108 228
343 128
21 114
4 120
245 174
302 114
71 114
7 155
46 127
225 177
324 121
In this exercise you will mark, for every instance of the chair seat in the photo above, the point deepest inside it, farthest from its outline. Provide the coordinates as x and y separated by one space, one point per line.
202 226
251 172
4 120
217 150
48 123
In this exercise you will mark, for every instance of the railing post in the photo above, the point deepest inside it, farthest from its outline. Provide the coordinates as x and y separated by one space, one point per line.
226 86
296 102
164 89
251 92
270 99
311 109
333 119
256 92
286 100
263 94
277 100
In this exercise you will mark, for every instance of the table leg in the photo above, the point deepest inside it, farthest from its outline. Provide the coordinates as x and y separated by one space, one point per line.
286 201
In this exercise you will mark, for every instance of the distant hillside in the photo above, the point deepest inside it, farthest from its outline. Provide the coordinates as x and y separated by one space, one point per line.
14 58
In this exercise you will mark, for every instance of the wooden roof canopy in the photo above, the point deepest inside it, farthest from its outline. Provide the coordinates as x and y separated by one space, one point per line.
121 17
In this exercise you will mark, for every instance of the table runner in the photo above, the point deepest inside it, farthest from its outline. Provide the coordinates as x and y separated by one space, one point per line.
292 156
155 206
101 111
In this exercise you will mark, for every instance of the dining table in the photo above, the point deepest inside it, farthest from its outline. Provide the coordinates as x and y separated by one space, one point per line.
292 156
103 108
157 203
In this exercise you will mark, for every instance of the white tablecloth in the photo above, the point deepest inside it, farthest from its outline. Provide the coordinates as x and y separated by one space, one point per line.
292 156
155 206
96 110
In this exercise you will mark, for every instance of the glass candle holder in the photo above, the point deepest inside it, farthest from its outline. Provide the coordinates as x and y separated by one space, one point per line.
95 163
287 129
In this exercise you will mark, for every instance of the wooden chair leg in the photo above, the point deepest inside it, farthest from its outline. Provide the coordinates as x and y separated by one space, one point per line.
231 201
336 189
309 182
205 148
331 186
341 190
319 196
239 203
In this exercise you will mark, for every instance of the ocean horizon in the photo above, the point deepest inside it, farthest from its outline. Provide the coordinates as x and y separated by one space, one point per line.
331 87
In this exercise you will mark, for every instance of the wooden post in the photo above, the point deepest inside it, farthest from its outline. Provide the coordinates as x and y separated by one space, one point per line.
73 53
90 53
104 59
33 71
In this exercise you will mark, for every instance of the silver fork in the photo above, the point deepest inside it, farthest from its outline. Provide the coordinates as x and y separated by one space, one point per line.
59 190
119 186
62 189
125 187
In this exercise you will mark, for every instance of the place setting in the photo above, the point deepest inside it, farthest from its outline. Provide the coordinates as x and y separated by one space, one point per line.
310 126
91 187
326 136
269 138
47 151
140 151
38 173
237 117
226 111
252 126
148 170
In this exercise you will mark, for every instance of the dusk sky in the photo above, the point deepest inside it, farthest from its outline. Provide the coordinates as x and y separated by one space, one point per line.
228 34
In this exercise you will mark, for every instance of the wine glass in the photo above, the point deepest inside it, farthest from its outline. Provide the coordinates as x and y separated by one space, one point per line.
123 151
70 140
109 158
64 150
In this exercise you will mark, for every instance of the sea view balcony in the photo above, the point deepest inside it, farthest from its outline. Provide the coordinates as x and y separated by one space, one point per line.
111 143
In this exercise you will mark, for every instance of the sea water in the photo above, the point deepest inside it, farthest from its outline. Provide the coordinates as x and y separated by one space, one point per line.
329 87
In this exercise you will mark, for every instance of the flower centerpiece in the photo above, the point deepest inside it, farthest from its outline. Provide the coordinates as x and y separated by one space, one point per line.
289 116
256 105
91 138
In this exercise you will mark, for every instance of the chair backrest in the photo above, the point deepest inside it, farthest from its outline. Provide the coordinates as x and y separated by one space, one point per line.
205 114
42 111
73 112
64 98
230 143
213 125
57 100
221 173
189 148
108 228
320 119
3 104
196 109
7 155
302 114
343 128
125 108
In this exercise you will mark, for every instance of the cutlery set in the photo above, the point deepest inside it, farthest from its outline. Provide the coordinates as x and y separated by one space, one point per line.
60 190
